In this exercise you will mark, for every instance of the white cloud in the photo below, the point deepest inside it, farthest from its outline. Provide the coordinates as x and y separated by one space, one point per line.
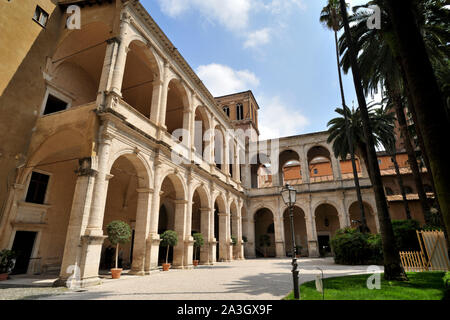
258 38
233 14
222 80
277 120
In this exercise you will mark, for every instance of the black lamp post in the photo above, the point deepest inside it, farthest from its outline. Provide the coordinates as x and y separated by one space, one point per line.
289 194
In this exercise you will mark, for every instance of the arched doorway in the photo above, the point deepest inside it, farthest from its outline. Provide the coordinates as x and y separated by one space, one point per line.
172 210
200 223
220 229
124 202
327 223
301 238
264 233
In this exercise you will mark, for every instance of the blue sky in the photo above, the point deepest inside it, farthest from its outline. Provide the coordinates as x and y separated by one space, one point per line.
276 48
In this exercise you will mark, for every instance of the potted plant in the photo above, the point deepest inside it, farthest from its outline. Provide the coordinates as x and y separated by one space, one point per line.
264 241
168 239
244 238
7 262
198 242
118 232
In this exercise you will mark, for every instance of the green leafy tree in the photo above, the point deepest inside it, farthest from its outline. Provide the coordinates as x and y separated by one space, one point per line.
169 239
118 232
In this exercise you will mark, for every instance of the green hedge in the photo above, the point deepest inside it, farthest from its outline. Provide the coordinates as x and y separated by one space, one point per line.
352 247
446 280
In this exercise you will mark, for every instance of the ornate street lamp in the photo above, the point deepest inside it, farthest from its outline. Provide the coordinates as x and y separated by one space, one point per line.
289 194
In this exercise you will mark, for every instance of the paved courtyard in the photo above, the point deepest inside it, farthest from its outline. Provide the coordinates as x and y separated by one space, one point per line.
264 279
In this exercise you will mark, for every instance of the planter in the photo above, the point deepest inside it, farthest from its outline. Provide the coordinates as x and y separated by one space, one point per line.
115 273
195 262
3 276
166 266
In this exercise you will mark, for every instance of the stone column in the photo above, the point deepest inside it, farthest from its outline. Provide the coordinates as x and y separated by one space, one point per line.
229 246
188 239
279 243
92 241
336 167
205 226
310 220
153 239
119 67
250 247
108 67
157 94
304 165
223 246
212 241
164 93
180 227
141 231
79 215
188 130
235 233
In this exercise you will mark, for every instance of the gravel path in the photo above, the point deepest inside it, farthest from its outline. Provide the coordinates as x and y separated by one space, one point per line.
264 279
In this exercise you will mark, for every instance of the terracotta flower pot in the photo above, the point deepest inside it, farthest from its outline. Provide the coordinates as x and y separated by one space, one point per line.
3 276
166 266
115 273
195 262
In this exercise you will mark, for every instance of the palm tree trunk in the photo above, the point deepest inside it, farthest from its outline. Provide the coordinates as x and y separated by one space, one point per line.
402 187
393 269
350 142
427 99
411 154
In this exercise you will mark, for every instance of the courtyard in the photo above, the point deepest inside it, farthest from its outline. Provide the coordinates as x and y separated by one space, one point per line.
255 279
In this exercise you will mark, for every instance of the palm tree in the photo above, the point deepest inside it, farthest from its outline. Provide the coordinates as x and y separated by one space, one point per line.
331 18
379 66
393 269
428 103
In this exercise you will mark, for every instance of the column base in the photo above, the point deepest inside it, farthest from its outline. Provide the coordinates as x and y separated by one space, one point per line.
89 282
136 272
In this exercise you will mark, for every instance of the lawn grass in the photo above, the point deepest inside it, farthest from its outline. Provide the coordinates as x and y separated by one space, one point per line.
421 286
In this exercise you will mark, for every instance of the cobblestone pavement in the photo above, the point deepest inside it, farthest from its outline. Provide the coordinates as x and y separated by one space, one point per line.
264 279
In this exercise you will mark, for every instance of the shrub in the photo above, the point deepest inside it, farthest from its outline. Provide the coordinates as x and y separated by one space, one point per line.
244 238
405 234
446 280
7 261
234 240
352 247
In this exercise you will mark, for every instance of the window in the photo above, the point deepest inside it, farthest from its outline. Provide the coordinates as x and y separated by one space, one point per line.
389 191
54 104
428 188
316 171
379 161
37 188
239 111
40 16
226 109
